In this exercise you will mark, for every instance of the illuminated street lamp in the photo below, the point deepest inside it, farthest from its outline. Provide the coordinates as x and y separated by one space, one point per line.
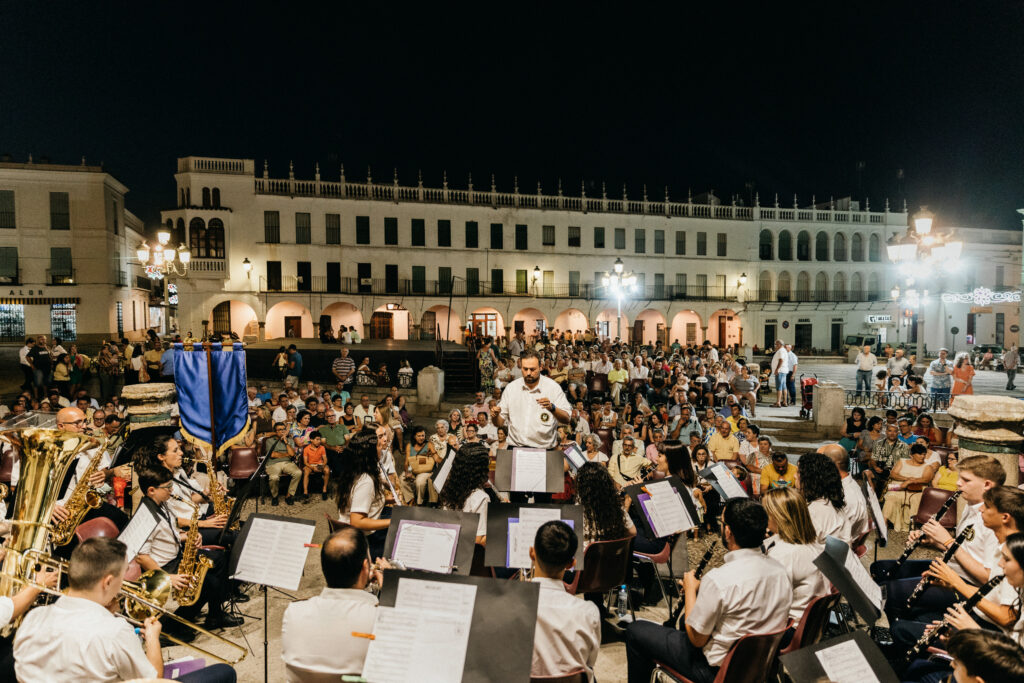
620 283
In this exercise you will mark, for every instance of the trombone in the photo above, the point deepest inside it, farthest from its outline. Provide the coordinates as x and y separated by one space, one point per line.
139 600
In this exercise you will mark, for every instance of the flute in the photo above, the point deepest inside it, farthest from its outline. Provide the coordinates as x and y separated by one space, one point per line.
912 546
966 535
970 603
697 573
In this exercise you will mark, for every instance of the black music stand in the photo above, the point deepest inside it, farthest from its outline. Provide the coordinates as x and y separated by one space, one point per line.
805 665
881 530
554 481
498 514
467 522
858 591
236 509
637 491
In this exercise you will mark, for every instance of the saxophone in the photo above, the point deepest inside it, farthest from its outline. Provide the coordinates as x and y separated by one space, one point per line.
221 504
83 499
192 562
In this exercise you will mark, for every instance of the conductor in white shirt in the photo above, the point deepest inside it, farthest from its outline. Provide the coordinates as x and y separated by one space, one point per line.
568 635
316 635
532 407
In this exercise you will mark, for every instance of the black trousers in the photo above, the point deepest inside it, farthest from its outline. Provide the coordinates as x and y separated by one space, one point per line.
932 603
647 642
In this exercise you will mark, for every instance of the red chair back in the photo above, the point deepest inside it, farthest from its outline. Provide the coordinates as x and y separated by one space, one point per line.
812 623
931 500
9 456
598 383
605 566
606 437
635 385
479 568
242 462
754 656
579 676
97 527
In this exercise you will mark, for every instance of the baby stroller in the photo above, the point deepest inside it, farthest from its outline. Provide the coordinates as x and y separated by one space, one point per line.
807 395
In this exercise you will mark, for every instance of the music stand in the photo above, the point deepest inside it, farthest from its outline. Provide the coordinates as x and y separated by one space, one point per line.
466 521
639 493
711 474
498 516
842 567
554 481
243 496
881 530
806 664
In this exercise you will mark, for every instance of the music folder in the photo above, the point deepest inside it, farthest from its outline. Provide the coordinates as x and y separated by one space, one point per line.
723 481
434 519
843 568
520 470
850 657
639 493
271 550
499 515
881 529
500 646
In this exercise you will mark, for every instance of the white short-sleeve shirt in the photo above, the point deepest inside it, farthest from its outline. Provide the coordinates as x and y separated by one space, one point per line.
782 355
529 424
828 521
477 502
363 500
856 510
807 580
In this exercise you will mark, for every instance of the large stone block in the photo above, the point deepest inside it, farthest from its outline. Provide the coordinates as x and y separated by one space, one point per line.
430 387
829 408
991 425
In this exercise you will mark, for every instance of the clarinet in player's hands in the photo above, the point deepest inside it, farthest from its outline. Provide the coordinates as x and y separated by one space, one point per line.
697 573
912 546
970 603
966 535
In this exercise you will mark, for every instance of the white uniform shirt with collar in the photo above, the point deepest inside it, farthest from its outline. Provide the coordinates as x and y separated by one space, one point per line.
81 464
363 500
828 521
529 424
477 501
568 635
984 547
164 543
807 580
750 593
856 510
74 640
180 508
316 634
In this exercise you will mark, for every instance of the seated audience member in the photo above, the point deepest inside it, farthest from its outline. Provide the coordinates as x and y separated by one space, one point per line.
781 473
280 449
820 483
628 464
314 459
723 444
794 544
78 638
750 594
568 635
316 634
906 484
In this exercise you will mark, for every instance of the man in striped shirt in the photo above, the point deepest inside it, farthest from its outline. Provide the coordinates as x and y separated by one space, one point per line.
344 368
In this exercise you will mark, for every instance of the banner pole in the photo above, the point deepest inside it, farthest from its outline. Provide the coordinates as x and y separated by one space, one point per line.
213 423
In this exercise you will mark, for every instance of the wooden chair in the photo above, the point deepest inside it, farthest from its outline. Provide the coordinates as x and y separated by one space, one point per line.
750 660
598 386
606 437
578 676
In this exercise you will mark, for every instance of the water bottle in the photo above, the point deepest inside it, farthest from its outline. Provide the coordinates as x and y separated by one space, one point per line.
622 605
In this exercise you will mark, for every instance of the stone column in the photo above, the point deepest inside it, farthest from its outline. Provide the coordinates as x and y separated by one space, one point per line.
263 330
316 329
829 409
430 387
991 425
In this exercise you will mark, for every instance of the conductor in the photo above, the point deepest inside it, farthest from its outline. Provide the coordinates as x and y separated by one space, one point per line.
532 407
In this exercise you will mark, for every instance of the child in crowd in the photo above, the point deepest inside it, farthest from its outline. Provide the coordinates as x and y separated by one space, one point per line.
314 459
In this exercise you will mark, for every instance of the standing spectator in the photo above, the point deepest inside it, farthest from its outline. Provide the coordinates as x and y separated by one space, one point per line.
865 362
791 377
898 365
26 364
281 362
294 373
41 365
942 377
167 364
963 376
344 369
486 361
110 368
62 375
152 357
1010 361
780 366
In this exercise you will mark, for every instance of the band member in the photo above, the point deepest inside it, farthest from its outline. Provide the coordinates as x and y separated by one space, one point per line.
362 493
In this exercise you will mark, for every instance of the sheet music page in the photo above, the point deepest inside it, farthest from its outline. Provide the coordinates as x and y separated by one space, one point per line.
442 474
274 553
138 531
876 512
427 547
862 578
452 599
523 532
529 469
575 455
845 663
666 510
730 486
656 488
414 645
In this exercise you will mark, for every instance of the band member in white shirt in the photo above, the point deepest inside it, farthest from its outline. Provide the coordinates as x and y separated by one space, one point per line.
568 635
856 508
820 483
363 493
795 545
532 407
750 594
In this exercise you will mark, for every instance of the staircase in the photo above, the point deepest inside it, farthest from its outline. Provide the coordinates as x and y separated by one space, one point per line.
790 435
459 372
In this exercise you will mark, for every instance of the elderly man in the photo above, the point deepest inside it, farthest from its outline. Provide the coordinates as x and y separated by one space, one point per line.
791 360
886 453
898 365
780 368
1011 359
617 379
941 371
722 444
865 363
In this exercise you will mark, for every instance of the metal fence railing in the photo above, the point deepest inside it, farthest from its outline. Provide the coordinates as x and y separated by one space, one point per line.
896 401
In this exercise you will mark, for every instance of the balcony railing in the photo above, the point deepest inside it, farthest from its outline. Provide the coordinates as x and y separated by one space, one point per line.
818 296
60 276
320 284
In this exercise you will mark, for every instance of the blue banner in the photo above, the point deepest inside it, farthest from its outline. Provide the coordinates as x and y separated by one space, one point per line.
224 423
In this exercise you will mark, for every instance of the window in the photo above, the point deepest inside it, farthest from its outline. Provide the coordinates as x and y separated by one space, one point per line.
333 223
364 271
1000 276
641 283
765 244
803 246
391 276
444 233
114 212
522 237
497 281
197 237
574 283
61 272
362 229
419 232
857 247
274 276
548 236
333 277
9 265
303 276
702 285
63 322
723 243
659 285
120 319
598 238
521 287
874 249
60 213
620 238
7 209
680 285
472 235
783 292
303 229
215 238
390 230
659 241
702 244
271 227
206 197
680 243
785 246
472 281
839 247
497 239
216 197
640 239
574 236
444 280
419 279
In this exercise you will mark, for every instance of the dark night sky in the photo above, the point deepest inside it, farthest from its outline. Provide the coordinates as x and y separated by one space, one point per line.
790 101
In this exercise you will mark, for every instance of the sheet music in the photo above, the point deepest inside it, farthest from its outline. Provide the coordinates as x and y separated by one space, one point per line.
575 456
845 663
413 645
862 578
529 469
274 553
727 481
138 531
426 546
523 531
453 599
446 469
876 512
665 509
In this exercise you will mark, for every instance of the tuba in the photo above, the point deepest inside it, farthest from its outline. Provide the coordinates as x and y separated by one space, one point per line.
46 456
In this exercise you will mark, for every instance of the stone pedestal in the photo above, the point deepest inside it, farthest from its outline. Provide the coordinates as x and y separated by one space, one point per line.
263 331
430 387
991 425
829 412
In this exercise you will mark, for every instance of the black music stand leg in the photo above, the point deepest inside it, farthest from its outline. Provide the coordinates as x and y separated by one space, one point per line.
266 643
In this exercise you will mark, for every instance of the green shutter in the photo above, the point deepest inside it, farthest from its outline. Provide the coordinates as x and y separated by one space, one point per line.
9 262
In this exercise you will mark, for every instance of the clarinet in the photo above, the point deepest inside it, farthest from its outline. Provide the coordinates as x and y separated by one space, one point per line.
697 573
965 535
970 603
911 547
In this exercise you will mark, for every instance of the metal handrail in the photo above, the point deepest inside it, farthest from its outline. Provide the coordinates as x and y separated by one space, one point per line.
895 400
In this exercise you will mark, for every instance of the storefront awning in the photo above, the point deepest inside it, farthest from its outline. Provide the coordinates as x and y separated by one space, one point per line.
40 301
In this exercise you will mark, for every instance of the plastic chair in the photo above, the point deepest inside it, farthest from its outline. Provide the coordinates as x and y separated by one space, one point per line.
663 556
606 566
754 656
97 527
598 385
931 500
243 461
578 676
812 622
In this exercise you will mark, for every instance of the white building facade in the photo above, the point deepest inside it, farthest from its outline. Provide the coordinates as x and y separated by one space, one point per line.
276 258
65 242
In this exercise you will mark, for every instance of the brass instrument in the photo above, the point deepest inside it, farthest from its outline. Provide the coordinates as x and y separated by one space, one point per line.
4 490
83 499
46 456
221 504
192 562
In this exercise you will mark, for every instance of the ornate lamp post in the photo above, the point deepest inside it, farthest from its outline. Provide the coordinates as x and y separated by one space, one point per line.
163 261
620 283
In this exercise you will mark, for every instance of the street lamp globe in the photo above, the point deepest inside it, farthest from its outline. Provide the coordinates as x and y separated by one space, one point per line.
143 253
743 280
164 237
184 254
895 293
923 220
618 265
168 254
246 265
